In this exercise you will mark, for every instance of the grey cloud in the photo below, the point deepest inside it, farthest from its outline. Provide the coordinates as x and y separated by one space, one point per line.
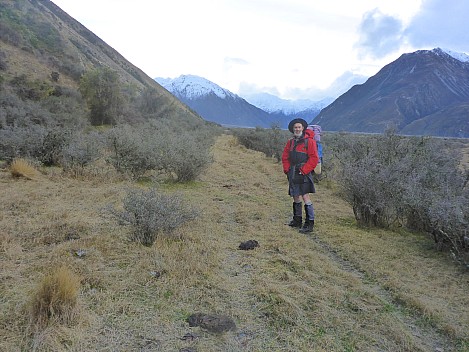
380 34
440 23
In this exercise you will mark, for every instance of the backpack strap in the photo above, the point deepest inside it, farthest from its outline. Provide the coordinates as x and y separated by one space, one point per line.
292 144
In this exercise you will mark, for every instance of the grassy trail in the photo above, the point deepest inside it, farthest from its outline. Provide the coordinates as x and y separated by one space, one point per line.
340 289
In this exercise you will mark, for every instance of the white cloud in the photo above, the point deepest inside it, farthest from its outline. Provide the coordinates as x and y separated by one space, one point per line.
290 48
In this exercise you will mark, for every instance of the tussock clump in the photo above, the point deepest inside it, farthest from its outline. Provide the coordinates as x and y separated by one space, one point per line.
55 298
23 168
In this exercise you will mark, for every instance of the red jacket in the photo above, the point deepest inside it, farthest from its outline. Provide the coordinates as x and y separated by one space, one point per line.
311 151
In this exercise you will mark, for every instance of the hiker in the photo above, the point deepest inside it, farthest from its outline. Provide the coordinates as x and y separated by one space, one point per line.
299 158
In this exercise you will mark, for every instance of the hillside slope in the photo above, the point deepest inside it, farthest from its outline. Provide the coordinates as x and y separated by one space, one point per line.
341 289
46 46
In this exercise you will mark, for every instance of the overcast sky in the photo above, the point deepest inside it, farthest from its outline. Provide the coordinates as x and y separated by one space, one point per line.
290 48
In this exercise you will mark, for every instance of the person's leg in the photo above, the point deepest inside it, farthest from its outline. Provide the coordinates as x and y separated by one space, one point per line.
309 215
297 220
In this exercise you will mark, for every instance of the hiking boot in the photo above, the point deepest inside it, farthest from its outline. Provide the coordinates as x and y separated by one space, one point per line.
297 215
296 222
307 227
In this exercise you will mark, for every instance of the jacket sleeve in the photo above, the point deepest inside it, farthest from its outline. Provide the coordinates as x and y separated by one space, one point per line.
313 157
285 157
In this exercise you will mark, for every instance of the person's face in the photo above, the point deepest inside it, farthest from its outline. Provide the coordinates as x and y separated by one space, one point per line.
298 129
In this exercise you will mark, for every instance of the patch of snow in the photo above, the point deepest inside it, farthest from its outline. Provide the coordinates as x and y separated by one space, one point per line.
463 57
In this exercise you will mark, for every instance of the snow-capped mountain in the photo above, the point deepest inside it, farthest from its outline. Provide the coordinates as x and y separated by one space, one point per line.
217 104
193 87
272 103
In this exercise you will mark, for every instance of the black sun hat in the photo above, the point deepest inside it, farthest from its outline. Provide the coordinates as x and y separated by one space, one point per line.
292 122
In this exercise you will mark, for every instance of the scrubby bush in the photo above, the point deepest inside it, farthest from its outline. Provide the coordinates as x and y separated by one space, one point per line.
151 213
417 182
22 142
20 113
101 90
44 144
268 141
182 155
150 101
3 61
31 90
132 150
82 150
52 145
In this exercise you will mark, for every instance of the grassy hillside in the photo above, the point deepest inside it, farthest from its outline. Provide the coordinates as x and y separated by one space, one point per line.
342 288
43 55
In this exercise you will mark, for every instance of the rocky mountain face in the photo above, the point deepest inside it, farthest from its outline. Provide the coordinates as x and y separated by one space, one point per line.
421 93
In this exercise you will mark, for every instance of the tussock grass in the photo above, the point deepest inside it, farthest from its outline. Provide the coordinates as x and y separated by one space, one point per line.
343 288
23 168
55 298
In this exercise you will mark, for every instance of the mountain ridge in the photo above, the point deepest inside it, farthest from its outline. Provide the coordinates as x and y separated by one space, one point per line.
421 93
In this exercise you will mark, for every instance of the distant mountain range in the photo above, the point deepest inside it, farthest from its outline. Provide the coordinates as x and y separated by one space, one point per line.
219 105
421 93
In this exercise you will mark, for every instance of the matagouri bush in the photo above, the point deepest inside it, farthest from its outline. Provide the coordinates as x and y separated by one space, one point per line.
180 155
417 182
157 147
268 141
151 213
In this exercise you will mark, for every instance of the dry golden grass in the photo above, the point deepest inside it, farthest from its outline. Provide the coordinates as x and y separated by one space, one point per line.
23 168
341 289
55 298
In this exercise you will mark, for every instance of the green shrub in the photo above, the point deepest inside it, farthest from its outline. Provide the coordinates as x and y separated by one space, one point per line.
151 213
101 90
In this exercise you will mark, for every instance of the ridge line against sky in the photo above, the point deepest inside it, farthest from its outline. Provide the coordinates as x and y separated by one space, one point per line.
295 49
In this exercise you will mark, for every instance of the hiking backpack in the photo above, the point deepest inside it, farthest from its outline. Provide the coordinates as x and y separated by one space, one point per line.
317 137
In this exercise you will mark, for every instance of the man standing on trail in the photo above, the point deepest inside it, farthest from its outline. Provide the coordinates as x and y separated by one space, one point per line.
299 158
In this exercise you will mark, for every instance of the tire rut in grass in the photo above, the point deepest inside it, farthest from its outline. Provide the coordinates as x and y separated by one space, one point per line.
429 338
